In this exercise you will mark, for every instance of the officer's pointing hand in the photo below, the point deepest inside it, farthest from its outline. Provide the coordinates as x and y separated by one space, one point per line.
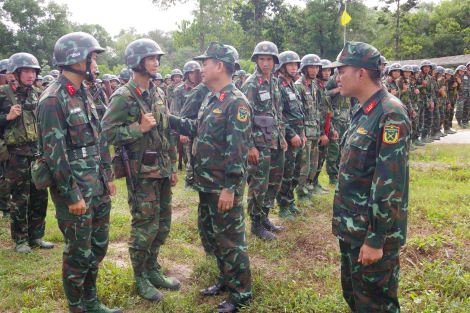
15 111
225 200
147 122
78 208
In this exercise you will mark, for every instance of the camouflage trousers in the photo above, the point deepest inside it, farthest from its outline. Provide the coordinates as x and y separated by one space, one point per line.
322 153
449 116
420 118
334 152
372 288
264 180
86 241
427 121
437 117
151 222
28 205
290 176
223 233
308 166
414 127
189 168
4 190
462 111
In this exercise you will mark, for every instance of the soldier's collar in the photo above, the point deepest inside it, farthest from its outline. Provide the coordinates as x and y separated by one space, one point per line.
224 92
372 102
68 85
141 92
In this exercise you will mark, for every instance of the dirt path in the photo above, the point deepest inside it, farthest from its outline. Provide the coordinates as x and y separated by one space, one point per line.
462 136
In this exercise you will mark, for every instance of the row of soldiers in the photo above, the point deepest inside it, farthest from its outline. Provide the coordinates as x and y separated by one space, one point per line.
431 94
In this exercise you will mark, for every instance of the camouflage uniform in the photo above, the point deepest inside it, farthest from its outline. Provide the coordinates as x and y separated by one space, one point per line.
4 190
416 108
222 128
427 95
441 103
371 199
452 94
28 205
99 98
462 111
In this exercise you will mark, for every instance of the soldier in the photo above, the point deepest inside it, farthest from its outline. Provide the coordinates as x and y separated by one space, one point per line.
18 103
176 80
180 95
136 120
106 78
463 102
124 76
46 80
406 91
222 128
38 85
310 66
4 190
266 144
167 82
426 104
79 159
54 73
98 95
442 101
391 83
241 79
114 82
374 167
158 80
293 118
416 107
383 64
452 92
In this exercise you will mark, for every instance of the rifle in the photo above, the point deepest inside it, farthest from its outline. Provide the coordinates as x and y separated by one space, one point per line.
198 80
3 79
99 93
107 88
127 169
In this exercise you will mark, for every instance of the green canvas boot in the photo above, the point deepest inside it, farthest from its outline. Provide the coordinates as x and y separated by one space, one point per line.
97 306
23 248
146 290
157 279
285 213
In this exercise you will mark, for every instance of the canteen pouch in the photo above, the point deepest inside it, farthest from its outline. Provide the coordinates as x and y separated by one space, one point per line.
149 158
265 124
118 166
41 174
23 129
4 155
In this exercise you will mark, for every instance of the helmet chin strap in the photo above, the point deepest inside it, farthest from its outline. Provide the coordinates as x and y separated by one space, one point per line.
18 71
86 73
144 71
287 73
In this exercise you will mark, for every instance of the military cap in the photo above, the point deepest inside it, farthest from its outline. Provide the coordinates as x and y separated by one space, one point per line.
468 63
415 68
358 54
425 63
21 60
99 81
218 51
383 60
168 76
394 67
39 77
406 68
461 68
449 71
440 70
47 79
158 76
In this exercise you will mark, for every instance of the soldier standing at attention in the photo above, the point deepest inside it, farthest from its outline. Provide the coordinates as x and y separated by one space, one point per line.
98 95
452 93
176 80
221 131
79 161
18 104
462 110
266 144
241 79
371 199
4 190
427 98
135 120
167 82
158 80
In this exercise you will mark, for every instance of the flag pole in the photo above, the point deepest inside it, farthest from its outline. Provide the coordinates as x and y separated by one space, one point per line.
344 30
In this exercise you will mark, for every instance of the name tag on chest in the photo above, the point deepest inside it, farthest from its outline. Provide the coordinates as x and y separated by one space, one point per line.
264 95
291 96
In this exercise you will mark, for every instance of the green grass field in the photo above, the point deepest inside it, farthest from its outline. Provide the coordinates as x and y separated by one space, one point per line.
297 273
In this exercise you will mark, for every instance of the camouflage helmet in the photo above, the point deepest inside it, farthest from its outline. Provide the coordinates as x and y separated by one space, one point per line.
74 48
106 77
97 72
406 68
98 81
461 68
241 73
288 57
55 73
167 76
415 68
394 67
383 60
158 76
425 63
276 68
114 77
22 60
433 66
3 66
263 48
39 77
190 67
176 72
139 49
440 70
236 56
310 59
125 74
386 70
47 79
449 71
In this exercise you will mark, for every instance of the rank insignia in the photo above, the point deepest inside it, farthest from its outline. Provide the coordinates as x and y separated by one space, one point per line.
160 102
362 131
70 89
242 115
222 96
217 111
370 106
391 134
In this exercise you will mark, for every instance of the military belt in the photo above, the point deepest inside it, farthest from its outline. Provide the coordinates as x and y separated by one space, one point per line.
82 152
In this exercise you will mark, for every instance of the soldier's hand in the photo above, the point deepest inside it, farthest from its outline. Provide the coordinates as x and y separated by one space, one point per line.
323 140
78 208
335 135
284 144
15 111
393 92
253 156
184 139
295 141
417 91
174 179
449 106
425 82
225 200
112 188
431 106
455 84
369 255
147 122
413 115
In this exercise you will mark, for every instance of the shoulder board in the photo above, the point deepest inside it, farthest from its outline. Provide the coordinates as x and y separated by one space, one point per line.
237 93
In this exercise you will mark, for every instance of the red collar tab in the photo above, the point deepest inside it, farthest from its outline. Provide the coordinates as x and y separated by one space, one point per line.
370 106
138 91
284 83
306 83
70 89
13 86
222 96
320 83
261 80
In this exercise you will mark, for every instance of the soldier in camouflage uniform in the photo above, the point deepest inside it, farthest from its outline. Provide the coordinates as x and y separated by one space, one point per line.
37 85
391 83
371 199
462 111
158 80
294 118
180 96
310 65
241 79
98 96
124 76
4 190
176 80
442 101
222 128
18 103
383 64
79 160
427 99
114 82
415 99
452 91
136 119
167 82
54 73
266 144
407 91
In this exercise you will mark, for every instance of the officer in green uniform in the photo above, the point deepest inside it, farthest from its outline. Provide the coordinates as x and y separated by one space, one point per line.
241 79
136 120
79 161
167 82
222 128
371 198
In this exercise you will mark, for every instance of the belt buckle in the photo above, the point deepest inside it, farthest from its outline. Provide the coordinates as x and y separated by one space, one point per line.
84 154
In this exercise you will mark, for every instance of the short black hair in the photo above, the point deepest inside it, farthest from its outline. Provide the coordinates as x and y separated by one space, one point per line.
374 75
229 68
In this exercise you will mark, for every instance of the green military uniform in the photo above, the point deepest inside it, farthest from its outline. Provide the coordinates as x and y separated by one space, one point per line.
222 128
452 91
427 95
462 111
371 199
99 98
415 98
442 100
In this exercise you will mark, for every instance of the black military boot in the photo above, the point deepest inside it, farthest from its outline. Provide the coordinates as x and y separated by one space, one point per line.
267 224
259 231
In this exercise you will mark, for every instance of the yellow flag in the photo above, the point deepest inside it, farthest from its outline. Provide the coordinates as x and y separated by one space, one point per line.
345 18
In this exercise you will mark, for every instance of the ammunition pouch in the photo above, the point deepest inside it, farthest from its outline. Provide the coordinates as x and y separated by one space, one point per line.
265 124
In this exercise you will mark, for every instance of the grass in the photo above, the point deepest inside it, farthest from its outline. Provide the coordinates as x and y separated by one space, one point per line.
297 273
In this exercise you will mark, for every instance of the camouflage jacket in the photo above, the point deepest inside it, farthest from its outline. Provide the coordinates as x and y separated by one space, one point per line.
309 97
414 97
71 141
239 83
427 93
392 84
27 98
405 96
452 91
325 106
99 98
121 126
464 88
264 99
170 90
193 102
292 108
340 105
442 94
222 128
371 197
180 95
